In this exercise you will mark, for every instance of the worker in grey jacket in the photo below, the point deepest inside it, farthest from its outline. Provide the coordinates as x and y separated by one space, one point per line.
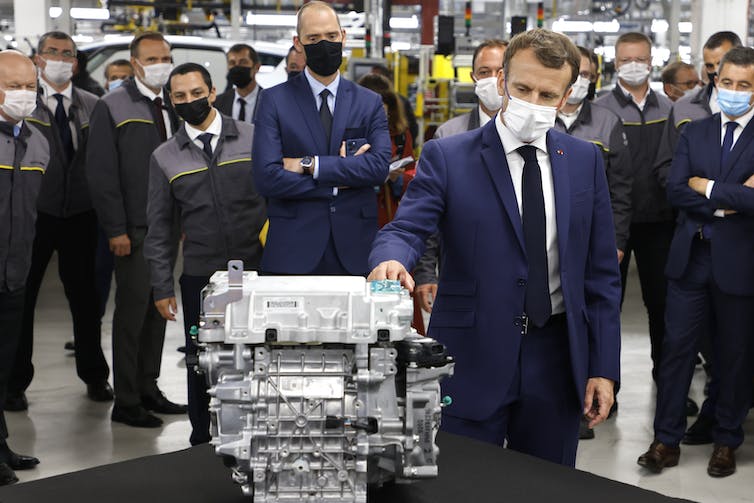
126 126
24 156
66 222
204 172
486 62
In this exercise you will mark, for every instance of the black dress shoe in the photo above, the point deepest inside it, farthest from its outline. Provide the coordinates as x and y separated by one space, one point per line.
585 432
700 432
659 456
162 405
16 402
722 462
7 475
99 391
692 409
70 346
136 416
21 462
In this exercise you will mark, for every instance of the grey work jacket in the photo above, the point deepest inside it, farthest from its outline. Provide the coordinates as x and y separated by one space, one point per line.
122 136
683 111
23 162
220 210
65 191
644 131
605 129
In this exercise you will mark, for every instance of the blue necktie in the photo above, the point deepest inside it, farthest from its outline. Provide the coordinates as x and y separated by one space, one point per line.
16 130
537 305
206 139
64 127
730 128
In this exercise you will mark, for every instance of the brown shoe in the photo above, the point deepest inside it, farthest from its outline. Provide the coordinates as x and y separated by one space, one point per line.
659 456
722 462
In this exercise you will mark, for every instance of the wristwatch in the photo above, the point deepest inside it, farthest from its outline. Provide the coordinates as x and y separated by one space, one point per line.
307 164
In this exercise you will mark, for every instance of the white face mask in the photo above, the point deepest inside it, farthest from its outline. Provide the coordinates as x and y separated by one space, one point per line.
634 73
19 104
580 88
58 72
528 121
486 91
156 76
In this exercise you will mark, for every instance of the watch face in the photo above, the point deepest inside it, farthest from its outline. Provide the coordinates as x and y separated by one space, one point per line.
307 162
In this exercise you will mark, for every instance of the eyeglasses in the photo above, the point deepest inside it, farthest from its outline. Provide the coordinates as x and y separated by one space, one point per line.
689 84
624 61
55 53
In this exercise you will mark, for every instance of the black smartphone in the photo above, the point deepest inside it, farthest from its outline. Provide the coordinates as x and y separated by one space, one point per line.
354 144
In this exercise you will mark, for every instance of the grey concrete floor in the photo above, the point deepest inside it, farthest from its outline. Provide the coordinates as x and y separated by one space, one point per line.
68 432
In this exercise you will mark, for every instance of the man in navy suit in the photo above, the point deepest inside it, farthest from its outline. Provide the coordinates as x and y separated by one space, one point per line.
710 271
529 290
321 145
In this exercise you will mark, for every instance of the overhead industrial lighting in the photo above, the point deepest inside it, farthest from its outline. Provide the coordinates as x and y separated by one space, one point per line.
565 26
662 26
56 12
87 13
606 26
404 23
400 46
271 19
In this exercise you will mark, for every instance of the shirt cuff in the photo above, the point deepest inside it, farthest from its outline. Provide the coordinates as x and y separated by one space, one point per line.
315 174
720 213
708 190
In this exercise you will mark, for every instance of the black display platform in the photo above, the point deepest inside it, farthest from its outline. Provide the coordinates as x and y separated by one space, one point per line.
469 472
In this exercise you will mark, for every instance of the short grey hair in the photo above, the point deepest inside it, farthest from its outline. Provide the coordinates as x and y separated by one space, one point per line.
739 56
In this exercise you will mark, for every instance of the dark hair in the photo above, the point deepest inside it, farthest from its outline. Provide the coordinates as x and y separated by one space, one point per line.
396 117
670 72
287 54
492 42
55 35
118 62
633 37
593 58
719 38
738 56
552 49
313 3
148 35
382 70
186 68
246 47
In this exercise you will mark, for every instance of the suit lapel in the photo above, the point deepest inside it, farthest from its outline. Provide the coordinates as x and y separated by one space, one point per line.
741 144
308 106
343 100
493 157
562 189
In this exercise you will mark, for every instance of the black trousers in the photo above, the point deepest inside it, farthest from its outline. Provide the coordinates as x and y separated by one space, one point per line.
650 243
11 315
198 399
75 240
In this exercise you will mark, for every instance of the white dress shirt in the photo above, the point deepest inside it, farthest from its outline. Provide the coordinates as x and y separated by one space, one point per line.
147 92
215 127
251 102
741 124
630 96
713 106
483 117
516 169
569 119
317 87
48 96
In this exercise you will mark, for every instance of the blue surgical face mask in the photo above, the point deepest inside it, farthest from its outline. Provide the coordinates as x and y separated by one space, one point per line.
114 84
733 103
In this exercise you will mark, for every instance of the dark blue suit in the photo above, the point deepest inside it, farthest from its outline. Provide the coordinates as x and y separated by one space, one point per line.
483 276
308 225
711 277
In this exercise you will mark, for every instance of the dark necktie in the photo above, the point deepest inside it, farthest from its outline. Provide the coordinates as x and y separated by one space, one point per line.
242 109
160 118
730 128
64 127
537 305
206 139
324 115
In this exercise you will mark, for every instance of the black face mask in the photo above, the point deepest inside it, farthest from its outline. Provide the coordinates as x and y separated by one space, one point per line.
293 73
592 91
239 76
711 77
324 57
194 112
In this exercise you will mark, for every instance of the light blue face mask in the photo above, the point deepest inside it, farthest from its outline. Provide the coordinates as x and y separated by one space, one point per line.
733 103
114 84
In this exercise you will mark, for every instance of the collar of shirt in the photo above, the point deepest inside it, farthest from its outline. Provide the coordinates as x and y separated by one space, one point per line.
713 106
215 127
511 143
249 98
143 89
483 117
630 96
49 94
569 118
317 87
741 121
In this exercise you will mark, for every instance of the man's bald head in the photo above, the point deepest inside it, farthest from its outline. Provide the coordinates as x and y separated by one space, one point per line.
16 65
313 12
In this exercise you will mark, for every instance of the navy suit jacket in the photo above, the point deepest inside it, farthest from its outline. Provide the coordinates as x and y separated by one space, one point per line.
303 211
483 270
732 247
